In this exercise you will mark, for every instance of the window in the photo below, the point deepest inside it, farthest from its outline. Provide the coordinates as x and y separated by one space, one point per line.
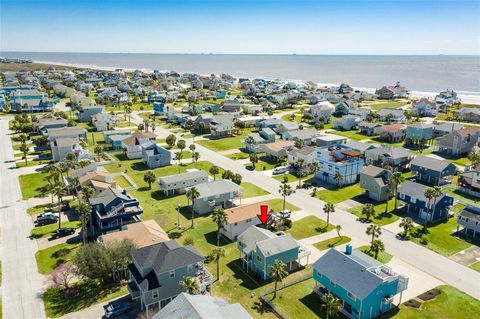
259 258
190 268
155 294
172 273
351 296
319 274
333 283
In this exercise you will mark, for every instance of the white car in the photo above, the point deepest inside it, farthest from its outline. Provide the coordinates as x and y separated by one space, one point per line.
280 170
285 214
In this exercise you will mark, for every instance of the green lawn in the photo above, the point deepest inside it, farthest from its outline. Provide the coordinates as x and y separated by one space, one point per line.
46 230
31 184
292 177
382 257
90 292
49 258
32 162
441 238
227 143
337 195
238 156
332 242
251 190
475 266
277 205
380 218
309 226
265 164
450 304
121 181
353 135
379 106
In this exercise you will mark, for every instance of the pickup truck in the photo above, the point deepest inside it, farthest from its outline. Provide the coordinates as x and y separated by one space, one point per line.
46 218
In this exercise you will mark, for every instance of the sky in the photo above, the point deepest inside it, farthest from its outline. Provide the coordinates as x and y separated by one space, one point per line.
242 26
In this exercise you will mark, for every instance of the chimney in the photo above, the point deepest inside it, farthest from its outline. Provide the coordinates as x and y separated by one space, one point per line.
348 249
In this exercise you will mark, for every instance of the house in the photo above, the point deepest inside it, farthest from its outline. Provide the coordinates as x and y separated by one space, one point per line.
115 137
240 218
178 183
155 156
360 146
338 164
391 115
374 180
446 98
86 112
366 288
222 125
321 112
346 122
413 195
158 108
458 142
432 171
62 146
277 149
202 122
156 271
264 136
391 133
43 124
469 182
271 123
201 307
445 128
425 107
326 139
99 180
307 135
361 112
133 144
215 194
468 114
69 131
141 234
260 248
104 121
306 153
384 93
30 100
92 167
419 132
112 209
469 220
399 91
368 128
344 106
395 157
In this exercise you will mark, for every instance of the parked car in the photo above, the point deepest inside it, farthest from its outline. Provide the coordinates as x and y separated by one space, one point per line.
249 167
280 170
113 310
46 218
62 232
285 214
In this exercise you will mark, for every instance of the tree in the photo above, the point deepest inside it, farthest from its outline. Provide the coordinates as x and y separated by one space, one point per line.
377 247
59 191
63 275
375 231
98 151
190 285
277 273
253 159
249 140
192 194
218 253
407 225
24 149
429 194
149 178
219 216
181 144
84 214
339 179
474 158
338 228
397 179
301 170
327 209
170 140
214 170
236 178
285 190
195 157
368 211
331 304
87 192
437 192
153 126
141 127
299 143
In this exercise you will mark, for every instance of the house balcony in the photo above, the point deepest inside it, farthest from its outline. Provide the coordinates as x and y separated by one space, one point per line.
133 290
205 279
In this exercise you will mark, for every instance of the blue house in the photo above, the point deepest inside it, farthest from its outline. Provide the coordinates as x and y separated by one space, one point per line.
115 137
338 164
155 156
365 287
3 102
158 108
420 132
260 248
432 171
220 93
113 208
413 195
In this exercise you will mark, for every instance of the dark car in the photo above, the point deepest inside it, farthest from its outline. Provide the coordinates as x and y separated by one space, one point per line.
116 309
46 218
62 232
249 167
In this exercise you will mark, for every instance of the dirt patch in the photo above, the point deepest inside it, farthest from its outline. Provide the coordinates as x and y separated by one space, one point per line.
429 295
413 303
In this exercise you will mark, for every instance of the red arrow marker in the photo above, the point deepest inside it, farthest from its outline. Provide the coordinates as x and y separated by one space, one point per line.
264 216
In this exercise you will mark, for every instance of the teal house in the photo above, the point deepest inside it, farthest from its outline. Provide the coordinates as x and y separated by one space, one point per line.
260 248
365 287
220 93
420 132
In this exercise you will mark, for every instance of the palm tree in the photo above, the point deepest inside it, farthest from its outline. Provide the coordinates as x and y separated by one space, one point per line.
331 304
218 253
327 209
437 192
98 151
219 216
375 231
190 285
59 191
338 228
24 149
474 158
178 158
377 247
397 179
214 170
339 179
84 213
87 192
285 190
253 159
128 110
407 225
192 194
196 156
368 211
149 178
301 166
278 273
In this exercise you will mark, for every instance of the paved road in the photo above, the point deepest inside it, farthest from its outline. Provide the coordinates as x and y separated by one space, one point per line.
21 283
434 264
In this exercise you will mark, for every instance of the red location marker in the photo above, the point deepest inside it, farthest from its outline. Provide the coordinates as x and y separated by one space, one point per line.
264 216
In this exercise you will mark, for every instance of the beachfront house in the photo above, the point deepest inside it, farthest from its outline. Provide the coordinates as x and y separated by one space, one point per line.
62 146
338 164
307 135
277 149
443 129
215 194
104 122
178 183
432 171
306 153
43 124
222 126
425 107
344 106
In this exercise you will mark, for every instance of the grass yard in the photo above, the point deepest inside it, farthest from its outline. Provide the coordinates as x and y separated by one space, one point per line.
332 242
90 292
292 177
36 210
32 162
31 184
441 238
353 135
46 230
382 257
264 164
251 190
238 156
475 266
227 143
277 205
337 195
309 226
380 217
450 304
49 258
379 106
121 181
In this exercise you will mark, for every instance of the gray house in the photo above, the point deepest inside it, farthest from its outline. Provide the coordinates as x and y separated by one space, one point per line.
374 180
445 128
45 123
397 157
458 142
179 182
469 219
86 112
156 272
216 194
432 171
155 156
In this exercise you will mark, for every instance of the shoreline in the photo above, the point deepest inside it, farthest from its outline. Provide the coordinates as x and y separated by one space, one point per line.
465 97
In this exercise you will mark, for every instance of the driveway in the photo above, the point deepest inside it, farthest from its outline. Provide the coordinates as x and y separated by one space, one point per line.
468 256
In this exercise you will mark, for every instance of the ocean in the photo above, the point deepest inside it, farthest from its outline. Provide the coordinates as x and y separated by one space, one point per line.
429 74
